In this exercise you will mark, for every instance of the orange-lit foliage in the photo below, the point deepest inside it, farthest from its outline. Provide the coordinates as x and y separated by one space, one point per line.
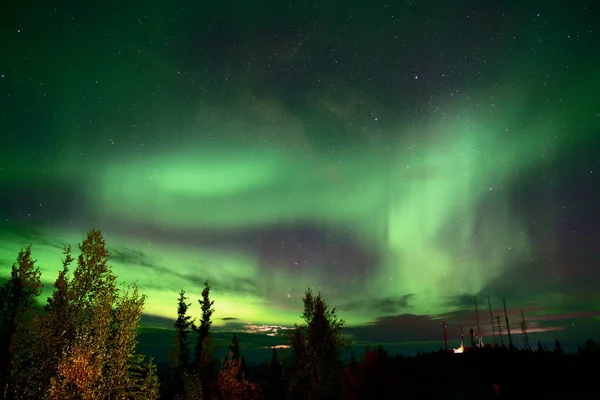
84 344
79 373
232 385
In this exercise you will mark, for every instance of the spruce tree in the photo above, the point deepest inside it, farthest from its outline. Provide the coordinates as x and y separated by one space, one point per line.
558 350
204 360
297 374
234 353
275 385
181 351
145 384
316 351
540 347
150 387
54 329
274 364
203 330
83 345
18 297
234 347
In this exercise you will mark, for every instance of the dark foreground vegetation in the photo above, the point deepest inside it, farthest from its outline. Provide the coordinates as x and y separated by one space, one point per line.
81 344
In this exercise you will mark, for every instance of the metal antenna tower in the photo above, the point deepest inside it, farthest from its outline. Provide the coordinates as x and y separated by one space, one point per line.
445 336
492 319
510 341
479 336
499 330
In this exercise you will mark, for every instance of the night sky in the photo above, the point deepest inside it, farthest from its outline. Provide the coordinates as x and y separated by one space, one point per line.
400 157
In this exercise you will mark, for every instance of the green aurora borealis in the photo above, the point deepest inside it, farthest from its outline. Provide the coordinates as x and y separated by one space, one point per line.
197 165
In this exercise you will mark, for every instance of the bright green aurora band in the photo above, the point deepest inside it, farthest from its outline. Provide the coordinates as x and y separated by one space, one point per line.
416 201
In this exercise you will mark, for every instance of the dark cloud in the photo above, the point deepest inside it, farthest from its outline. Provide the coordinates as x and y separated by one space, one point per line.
194 280
155 321
128 256
386 305
28 234
460 301
139 262
399 328
325 251
225 283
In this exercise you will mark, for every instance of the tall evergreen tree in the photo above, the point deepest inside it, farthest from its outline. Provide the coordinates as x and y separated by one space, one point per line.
234 353
558 350
588 349
234 347
540 347
18 296
145 384
181 351
54 328
274 364
297 374
275 388
316 351
203 330
204 360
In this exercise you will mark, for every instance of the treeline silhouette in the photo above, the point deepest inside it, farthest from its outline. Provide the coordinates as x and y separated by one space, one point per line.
81 344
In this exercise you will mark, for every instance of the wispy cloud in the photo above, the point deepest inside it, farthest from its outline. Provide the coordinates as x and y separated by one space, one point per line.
386 305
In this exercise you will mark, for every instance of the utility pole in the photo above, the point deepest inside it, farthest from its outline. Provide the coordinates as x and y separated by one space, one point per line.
524 330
